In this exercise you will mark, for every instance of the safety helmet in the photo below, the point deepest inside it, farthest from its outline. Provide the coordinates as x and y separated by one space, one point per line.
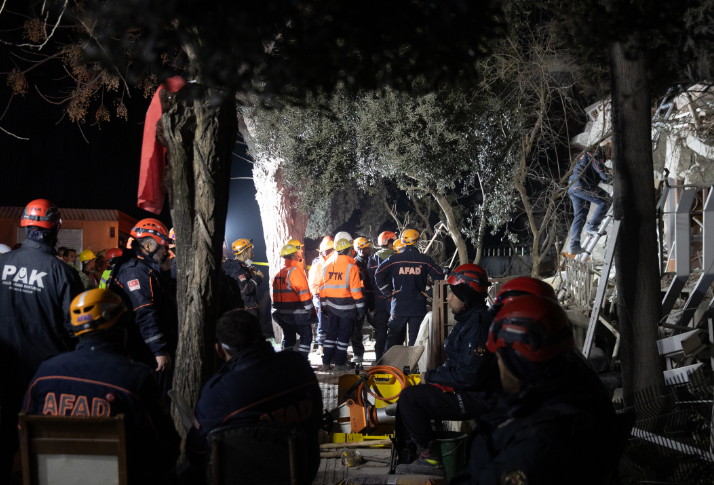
172 236
535 327
241 245
113 253
41 213
385 237
410 236
96 309
287 250
86 255
471 275
153 229
326 244
4 248
361 243
525 285
398 246
343 235
296 243
342 244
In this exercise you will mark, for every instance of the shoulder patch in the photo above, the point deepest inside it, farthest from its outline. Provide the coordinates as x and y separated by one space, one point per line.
133 285
241 277
515 477
479 351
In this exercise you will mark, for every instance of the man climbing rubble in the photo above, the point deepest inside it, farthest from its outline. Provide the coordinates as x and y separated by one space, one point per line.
463 387
584 190
556 424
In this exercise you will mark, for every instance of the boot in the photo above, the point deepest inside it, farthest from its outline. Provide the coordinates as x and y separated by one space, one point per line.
428 462
343 368
326 367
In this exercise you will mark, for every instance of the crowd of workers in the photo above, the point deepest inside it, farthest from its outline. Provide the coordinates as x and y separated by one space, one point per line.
543 414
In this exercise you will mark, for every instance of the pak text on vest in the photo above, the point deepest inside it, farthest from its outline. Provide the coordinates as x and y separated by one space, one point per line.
21 276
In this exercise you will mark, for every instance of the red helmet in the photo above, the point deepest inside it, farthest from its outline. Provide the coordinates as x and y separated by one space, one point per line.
525 285
113 253
535 327
472 275
385 237
151 228
41 213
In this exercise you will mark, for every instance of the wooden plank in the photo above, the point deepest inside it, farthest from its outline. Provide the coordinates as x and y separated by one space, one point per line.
400 356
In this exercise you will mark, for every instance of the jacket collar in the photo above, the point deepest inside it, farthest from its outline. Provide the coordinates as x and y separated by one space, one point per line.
469 311
257 351
290 263
31 243
149 262
384 253
409 249
100 345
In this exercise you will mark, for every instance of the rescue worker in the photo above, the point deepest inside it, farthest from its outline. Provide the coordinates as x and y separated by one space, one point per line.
88 261
110 255
398 246
256 384
244 274
298 245
382 304
559 426
36 290
464 386
342 301
363 248
98 380
403 276
584 190
292 305
100 264
142 277
314 277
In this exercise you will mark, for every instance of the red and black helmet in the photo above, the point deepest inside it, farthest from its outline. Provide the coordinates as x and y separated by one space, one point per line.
151 228
472 275
535 327
525 285
41 213
113 253
385 237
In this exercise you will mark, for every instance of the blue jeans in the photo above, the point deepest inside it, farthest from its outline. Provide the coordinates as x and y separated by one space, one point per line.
321 326
290 334
582 198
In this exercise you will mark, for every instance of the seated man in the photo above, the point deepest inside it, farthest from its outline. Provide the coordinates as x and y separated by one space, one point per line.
97 379
256 384
460 389
558 425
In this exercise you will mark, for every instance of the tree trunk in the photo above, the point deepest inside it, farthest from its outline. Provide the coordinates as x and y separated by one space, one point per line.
200 131
454 231
481 230
638 279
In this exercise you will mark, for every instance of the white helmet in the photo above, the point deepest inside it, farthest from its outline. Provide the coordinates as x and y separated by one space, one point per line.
343 235
4 248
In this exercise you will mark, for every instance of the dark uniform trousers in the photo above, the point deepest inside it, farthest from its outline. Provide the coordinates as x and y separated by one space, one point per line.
420 404
381 321
290 333
339 332
356 340
397 330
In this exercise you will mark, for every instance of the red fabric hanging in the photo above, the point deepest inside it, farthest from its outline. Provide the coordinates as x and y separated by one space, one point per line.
153 154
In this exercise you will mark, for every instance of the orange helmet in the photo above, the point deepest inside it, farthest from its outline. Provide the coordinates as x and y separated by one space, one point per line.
241 245
410 236
385 237
361 243
326 244
399 246
41 213
153 229
96 309
172 236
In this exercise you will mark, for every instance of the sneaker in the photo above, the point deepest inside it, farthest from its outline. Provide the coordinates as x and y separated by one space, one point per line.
357 359
343 368
594 232
428 462
576 251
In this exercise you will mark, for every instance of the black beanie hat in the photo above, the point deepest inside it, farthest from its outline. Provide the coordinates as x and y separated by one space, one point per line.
467 294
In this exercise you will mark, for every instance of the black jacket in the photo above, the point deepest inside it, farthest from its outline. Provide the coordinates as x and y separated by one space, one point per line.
562 432
381 302
97 380
259 384
36 291
146 290
469 365
240 272
367 281
588 175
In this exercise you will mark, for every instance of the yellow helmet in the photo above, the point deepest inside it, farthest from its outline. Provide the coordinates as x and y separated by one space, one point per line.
361 243
326 244
398 246
410 236
241 245
296 243
288 249
86 255
342 244
96 309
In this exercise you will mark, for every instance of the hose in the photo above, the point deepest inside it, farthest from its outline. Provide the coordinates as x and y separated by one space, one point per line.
379 369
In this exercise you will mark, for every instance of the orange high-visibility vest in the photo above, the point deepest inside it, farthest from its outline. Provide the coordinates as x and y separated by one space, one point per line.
341 287
291 295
